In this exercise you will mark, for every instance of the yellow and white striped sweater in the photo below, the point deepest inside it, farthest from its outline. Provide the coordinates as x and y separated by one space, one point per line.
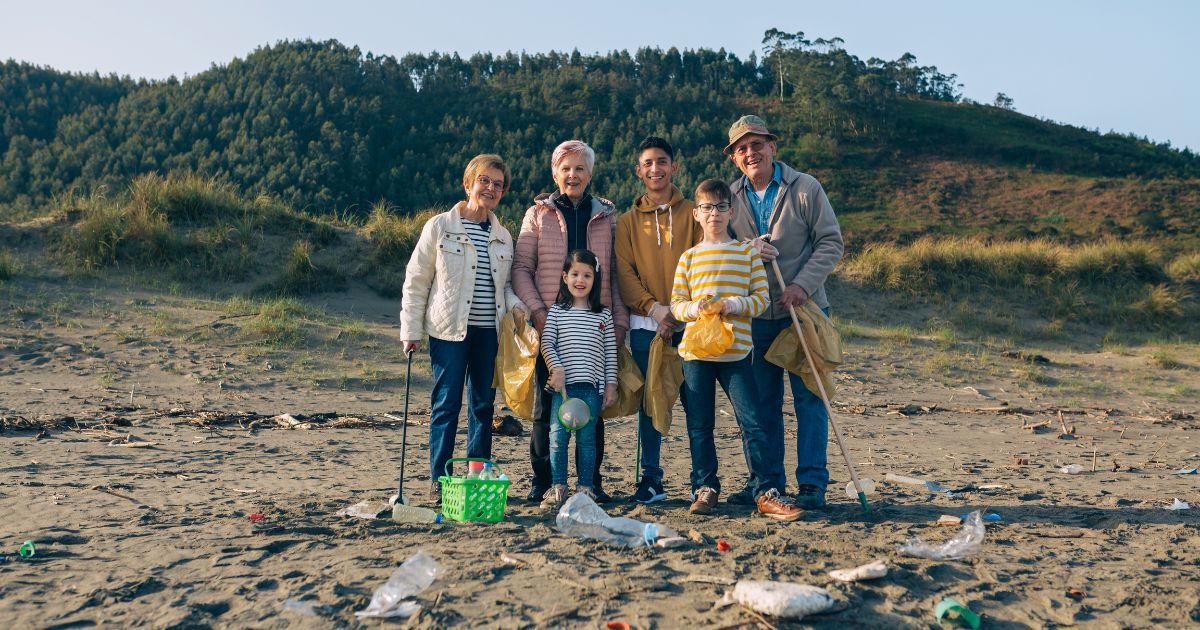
729 270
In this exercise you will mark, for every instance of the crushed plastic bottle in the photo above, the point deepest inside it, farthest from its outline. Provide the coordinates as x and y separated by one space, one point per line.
1071 469
582 518
967 542
931 486
412 577
306 608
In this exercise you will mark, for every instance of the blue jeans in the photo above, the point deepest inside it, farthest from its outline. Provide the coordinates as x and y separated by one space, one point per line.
762 434
585 438
650 438
469 362
812 421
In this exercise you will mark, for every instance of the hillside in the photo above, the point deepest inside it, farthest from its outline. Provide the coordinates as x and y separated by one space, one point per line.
332 130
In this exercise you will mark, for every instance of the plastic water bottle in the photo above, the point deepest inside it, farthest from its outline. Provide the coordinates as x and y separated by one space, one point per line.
486 473
582 518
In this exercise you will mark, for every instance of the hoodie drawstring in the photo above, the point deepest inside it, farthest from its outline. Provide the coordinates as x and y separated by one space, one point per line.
670 224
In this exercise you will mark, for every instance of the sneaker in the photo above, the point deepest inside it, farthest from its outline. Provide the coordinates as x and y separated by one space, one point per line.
649 491
586 491
555 497
810 497
536 493
600 495
774 505
435 494
705 501
745 496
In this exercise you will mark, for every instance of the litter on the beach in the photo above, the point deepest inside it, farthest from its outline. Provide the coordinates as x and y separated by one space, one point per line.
1071 469
787 600
952 610
1185 471
412 577
1179 505
582 518
308 609
870 571
367 509
931 486
947 520
967 542
868 486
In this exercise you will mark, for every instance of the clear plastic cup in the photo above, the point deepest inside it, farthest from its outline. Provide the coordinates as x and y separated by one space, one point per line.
868 487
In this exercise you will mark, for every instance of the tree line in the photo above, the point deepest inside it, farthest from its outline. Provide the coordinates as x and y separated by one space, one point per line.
328 127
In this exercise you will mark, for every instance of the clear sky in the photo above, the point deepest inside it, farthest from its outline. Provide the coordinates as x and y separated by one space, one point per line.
1123 66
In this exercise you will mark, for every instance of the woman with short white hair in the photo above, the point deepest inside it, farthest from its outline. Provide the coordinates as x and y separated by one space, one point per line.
558 223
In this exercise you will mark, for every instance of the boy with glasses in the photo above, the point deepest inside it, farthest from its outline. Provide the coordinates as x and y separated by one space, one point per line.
726 276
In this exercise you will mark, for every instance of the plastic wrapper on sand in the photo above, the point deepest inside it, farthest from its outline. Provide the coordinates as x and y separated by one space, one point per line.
787 600
967 542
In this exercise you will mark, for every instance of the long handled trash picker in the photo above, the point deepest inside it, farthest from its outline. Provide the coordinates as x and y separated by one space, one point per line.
837 433
401 510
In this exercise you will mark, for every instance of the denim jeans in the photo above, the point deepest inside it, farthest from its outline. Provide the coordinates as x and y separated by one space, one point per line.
539 436
650 438
585 438
469 362
812 421
762 434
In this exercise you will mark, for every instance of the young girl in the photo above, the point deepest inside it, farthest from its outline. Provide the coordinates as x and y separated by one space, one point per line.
580 349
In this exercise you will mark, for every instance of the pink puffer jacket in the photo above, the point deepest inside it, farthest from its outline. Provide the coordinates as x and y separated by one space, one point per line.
542 248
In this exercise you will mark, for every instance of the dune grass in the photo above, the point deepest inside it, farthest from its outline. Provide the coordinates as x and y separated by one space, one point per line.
9 266
1107 282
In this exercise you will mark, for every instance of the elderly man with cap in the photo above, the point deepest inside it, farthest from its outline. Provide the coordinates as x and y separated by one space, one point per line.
787 215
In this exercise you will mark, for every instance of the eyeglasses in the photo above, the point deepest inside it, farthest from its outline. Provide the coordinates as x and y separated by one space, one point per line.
708 208
487 182
753 147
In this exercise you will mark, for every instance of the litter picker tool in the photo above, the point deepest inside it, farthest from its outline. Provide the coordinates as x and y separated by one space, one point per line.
401 510
837 433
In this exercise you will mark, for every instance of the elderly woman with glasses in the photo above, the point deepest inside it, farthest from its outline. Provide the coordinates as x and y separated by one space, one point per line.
456 290
556 224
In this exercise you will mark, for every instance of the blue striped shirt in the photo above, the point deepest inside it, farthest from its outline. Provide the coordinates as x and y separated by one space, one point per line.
762 207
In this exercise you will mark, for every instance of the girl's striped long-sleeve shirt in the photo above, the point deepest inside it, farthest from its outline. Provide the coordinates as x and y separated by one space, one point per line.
729 270
582 343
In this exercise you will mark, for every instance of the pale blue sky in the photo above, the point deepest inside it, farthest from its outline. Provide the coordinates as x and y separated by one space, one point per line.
1123 66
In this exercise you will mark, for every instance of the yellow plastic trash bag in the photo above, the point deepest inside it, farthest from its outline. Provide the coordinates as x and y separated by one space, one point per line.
706 338
664 375
515 376
822 339
630 386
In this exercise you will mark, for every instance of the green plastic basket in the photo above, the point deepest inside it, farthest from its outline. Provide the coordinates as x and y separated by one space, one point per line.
473 499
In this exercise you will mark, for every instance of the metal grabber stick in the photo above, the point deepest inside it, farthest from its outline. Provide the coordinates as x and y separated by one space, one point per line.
837 433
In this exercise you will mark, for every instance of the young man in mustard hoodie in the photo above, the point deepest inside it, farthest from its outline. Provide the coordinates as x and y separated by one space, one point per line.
651 237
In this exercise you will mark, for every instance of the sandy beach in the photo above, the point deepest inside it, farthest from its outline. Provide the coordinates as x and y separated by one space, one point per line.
160 535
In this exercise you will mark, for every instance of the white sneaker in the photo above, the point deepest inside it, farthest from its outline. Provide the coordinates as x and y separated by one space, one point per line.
555 497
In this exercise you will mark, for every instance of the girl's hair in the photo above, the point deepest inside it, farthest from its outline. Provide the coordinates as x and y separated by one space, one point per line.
564 294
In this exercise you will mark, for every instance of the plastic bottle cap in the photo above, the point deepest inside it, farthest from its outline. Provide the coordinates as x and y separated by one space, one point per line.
650 534
27 549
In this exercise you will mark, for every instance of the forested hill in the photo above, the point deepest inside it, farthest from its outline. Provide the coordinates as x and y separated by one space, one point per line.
329 128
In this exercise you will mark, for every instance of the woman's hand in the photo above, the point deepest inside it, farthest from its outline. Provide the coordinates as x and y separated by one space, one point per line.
539 319
610 395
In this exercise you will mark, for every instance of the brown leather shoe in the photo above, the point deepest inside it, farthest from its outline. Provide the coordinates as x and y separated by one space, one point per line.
780 508
705 501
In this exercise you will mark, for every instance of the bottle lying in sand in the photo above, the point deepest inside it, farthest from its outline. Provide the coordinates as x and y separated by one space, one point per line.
404 513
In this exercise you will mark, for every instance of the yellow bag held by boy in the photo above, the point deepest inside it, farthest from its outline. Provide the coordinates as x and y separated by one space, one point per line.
516 359
630 387
664 375
708 337
822 339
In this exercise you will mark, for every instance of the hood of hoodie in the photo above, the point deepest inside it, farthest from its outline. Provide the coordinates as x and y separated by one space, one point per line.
600 205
